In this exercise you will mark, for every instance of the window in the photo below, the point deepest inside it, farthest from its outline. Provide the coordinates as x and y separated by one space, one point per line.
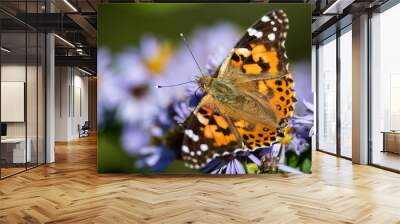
327 96
385 89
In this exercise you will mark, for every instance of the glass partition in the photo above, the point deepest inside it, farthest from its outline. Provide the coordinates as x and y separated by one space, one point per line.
31 100
327 96
22 77
346 93
13 109
41 96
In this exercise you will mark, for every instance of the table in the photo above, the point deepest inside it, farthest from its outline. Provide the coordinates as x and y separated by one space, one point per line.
18 149
391 141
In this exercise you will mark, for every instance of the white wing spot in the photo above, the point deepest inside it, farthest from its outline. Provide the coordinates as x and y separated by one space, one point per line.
243 51
198 153
192 153
274 29
254 32
195 138
271 36
265 19
185 149
189 132
204 147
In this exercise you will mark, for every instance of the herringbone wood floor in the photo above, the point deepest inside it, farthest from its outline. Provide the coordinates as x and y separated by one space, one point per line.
71 191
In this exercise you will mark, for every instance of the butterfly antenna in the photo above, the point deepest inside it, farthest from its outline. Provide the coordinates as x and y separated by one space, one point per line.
179 84
194 58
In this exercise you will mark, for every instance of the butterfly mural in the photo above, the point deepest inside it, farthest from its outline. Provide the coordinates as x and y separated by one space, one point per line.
242 115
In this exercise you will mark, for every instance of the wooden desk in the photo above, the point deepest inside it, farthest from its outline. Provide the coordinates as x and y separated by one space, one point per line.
391 141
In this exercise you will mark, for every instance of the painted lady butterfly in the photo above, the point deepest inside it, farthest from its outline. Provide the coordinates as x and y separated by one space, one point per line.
248 101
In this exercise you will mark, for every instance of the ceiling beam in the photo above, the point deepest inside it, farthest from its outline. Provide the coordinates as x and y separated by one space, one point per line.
86 27
77 61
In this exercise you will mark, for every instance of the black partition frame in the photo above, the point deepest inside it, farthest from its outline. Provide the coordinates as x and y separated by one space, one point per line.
39 54
333 37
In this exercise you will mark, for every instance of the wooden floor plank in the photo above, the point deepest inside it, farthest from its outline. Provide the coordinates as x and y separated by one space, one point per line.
71 191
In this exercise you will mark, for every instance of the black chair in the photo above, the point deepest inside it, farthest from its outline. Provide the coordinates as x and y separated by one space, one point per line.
84 130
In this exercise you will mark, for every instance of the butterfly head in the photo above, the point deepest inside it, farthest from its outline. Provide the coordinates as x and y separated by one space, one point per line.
204 82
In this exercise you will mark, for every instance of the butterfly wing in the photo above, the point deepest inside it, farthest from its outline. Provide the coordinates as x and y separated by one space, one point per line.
208 133
261 50
259 65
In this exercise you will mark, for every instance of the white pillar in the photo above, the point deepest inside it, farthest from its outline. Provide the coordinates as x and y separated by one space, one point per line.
360 90
50 92
50 99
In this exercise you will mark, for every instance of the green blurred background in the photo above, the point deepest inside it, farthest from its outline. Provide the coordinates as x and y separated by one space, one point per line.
121 25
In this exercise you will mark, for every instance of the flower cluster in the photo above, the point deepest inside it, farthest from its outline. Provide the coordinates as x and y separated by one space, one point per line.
149 119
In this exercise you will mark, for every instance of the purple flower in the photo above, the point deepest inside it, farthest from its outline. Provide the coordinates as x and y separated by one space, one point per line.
156 158
182 111
134 139
301 128
230 164
220 166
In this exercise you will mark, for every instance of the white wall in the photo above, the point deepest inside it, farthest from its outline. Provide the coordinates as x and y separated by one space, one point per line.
71 102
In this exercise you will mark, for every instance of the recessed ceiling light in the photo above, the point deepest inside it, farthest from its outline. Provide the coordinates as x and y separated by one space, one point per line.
84 71
70 5
5 50
64 40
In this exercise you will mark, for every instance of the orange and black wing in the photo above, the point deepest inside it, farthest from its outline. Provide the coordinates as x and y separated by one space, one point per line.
262 48
261 51
207 134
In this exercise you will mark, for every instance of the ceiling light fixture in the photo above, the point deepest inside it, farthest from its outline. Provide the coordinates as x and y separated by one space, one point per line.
70 5
337 7
5 50
84 71
64 40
